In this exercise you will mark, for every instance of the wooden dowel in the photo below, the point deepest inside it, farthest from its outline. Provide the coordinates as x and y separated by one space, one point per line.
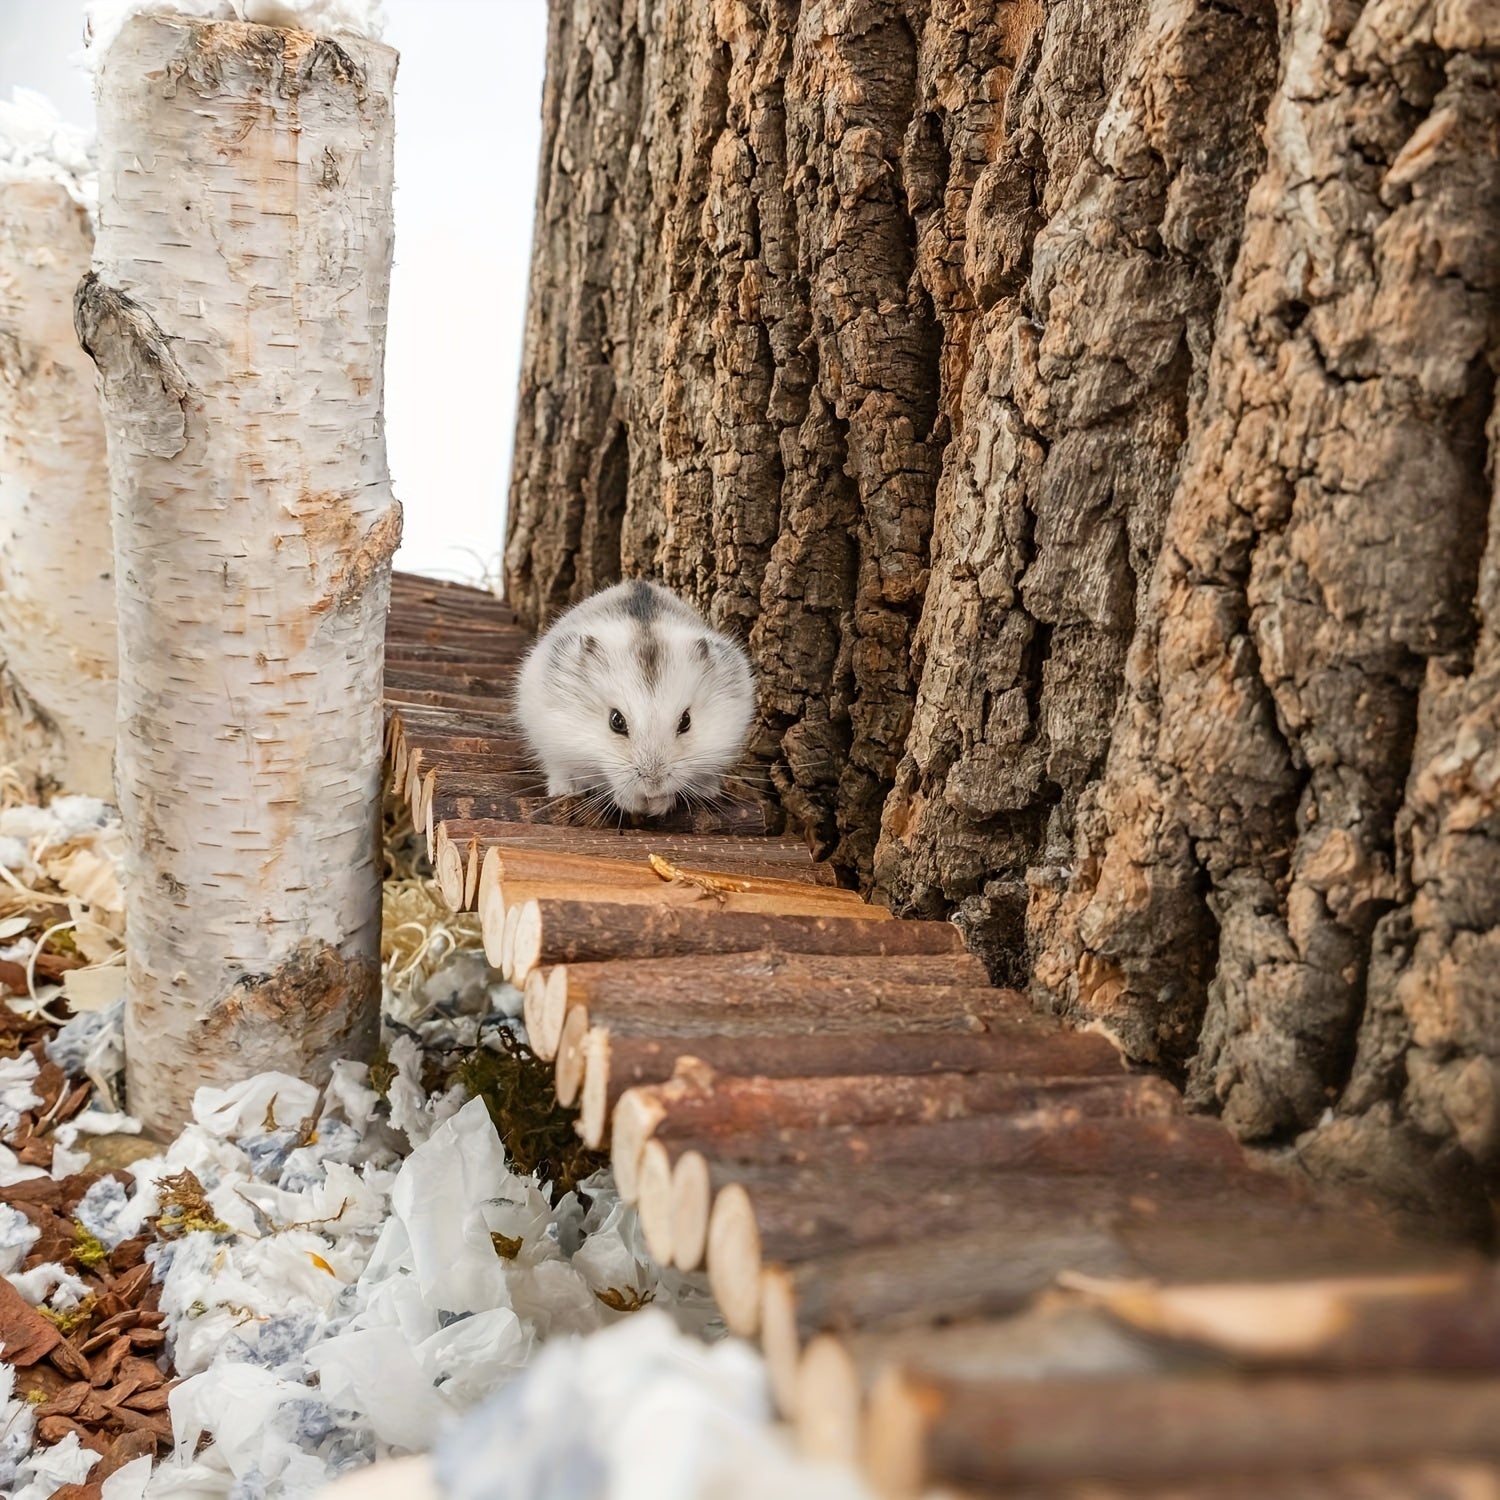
502 755
895 1201
719 852
698 1105
564 930
413 656
787 1003
457 734
480 702
513 865
450 626
812 900
487 681
1023 1045
991 1269
690 996
1042 1142
456 632
501 800
1436 1320
1004 1434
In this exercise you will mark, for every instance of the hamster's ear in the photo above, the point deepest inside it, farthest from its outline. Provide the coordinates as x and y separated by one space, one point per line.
587 647
704 648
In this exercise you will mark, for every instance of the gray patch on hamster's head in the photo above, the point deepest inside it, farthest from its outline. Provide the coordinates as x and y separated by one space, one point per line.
658 705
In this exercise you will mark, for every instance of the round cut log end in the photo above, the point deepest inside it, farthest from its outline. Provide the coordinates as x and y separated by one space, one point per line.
426 825
450 878
491 904
692 1194
471 878
413 778
508 942
826 1413
779 1339
398 754
593 1100
734 1259
635 1120
571 1063
895 1437
655 1202
553 1012
526 943
532 994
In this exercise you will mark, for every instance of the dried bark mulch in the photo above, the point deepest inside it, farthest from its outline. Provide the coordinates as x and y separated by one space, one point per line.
95 1369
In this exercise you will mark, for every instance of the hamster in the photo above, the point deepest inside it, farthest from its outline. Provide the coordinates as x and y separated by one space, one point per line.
631 694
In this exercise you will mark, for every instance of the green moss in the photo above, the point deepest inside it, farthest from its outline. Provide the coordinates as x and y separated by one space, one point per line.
68 1321
537 1131
88 1249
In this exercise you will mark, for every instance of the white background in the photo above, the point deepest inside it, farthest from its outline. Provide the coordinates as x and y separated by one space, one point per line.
468 133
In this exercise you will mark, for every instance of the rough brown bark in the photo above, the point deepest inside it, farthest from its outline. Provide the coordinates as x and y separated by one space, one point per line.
1087 417
1259 864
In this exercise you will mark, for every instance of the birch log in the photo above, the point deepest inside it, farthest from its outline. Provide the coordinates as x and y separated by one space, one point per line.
57 610
237 314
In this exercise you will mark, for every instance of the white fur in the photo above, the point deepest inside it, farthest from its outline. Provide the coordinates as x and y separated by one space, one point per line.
593 661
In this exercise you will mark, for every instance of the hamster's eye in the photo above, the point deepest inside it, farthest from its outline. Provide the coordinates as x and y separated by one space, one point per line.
617 722
685 723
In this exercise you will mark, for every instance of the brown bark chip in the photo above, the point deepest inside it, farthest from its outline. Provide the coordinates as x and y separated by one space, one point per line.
25 1335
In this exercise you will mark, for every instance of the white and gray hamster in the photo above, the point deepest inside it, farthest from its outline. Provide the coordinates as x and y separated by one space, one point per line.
630 694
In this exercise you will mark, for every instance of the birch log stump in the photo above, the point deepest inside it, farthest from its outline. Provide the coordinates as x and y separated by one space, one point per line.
57 607
237 313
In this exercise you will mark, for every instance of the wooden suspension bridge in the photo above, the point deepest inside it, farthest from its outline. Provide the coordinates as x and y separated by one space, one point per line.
979 1251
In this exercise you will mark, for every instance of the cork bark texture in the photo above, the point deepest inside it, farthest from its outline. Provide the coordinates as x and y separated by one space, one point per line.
1086 414
236 312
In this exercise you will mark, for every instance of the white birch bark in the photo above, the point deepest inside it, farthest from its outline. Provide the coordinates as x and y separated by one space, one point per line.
57 609
237 313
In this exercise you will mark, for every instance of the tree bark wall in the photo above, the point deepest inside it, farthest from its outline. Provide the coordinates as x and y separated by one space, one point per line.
237 314
1083 415
57 605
